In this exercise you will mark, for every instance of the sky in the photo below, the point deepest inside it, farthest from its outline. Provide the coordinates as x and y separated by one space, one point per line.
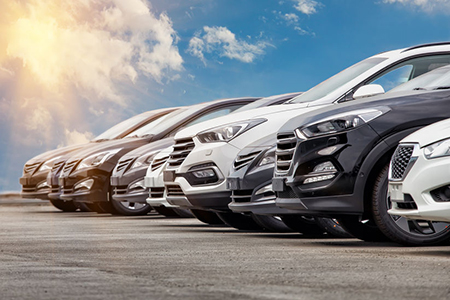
71 69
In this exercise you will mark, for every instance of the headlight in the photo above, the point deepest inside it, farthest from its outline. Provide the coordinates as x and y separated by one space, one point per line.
341 122
268 158
227 132
438 149
144 160
97 159
48 165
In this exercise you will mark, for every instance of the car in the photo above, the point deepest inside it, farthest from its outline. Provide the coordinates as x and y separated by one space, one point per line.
159 203
86 175
418 176
250 182
36 171
334 162
203 154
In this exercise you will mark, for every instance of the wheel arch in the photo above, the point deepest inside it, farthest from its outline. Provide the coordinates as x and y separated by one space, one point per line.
374 163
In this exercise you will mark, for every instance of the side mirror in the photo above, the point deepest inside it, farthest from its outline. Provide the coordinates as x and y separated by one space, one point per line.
368 91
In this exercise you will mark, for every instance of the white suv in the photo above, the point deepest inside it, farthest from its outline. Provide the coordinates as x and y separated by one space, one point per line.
204 153
419 181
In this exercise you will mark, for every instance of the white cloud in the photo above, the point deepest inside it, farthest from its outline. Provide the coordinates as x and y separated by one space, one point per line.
307 7
290 18
225 43
92 44
74 137
425 5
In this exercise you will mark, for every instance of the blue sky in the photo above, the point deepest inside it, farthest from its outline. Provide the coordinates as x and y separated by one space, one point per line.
68 74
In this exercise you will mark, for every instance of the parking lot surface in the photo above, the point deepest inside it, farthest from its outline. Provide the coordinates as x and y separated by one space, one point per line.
47 254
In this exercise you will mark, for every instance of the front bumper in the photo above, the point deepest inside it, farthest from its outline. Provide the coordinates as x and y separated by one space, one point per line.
214 196
425 175
121 187
30 185
97 193
157 193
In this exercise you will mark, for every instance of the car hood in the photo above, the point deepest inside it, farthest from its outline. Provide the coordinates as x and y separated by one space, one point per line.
126 143
430 134
151 147
57 152
192 131
389 99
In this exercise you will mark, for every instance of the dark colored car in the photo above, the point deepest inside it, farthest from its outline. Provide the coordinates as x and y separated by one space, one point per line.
334 162
127 180
86 175
34 180
250 181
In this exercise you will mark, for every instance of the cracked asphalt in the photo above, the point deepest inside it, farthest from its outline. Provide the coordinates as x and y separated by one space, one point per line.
47 254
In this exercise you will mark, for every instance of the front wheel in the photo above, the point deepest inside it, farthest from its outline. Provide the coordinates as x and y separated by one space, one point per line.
131 208
271 223
400 229
238 221
305 225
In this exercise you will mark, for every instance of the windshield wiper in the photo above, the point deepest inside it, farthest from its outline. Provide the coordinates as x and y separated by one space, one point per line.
442 87
101 140
419 89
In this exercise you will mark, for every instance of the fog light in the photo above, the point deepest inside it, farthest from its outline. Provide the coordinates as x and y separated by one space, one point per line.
87 184
42 185
318 178
138 185
324 167
207 173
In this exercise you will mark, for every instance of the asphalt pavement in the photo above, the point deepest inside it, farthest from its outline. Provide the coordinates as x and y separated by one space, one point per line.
47 254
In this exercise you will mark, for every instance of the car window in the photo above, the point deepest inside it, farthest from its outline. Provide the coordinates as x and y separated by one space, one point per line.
219 112
408 70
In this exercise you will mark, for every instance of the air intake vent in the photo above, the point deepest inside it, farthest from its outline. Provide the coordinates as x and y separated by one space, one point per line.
243 160
157 163
174 190
400 161
286 144
57 166
69 166
123 164
156 192
181 150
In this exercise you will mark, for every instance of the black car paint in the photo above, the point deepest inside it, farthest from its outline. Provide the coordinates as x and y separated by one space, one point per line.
360 153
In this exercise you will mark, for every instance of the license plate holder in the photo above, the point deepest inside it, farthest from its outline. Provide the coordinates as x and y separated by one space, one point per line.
169 176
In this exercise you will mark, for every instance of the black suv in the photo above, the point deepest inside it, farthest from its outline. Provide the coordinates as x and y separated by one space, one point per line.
333 162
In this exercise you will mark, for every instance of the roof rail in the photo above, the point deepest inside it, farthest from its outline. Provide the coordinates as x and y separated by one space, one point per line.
426 45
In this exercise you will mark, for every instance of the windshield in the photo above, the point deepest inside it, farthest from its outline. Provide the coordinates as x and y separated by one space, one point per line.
165 121
438 78
330 85
119 129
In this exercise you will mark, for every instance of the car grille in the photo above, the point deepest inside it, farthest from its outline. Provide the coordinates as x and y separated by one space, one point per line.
56 167
181 150
243 160
156 192
157 163
120 190
69 166
30 168
174 190
241 195
123 164
286 144
400 161
287 193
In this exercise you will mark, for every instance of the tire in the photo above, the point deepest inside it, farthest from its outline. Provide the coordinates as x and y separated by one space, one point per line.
305 225
131 208
207 217
84 207
165 211
271 223
66 206
239 221
183 213
366 230
402 230
332 227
